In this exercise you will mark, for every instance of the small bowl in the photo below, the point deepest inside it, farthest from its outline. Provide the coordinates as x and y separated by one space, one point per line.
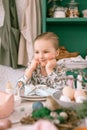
64 104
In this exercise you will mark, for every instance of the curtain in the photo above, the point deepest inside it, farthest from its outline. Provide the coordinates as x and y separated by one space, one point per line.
30 28
9 34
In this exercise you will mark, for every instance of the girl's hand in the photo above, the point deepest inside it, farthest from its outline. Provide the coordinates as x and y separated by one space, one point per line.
33 65
31 68
51 64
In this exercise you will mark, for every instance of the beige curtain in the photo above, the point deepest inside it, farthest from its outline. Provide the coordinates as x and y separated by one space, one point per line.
30 28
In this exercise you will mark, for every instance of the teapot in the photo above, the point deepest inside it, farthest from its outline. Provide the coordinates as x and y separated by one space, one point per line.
59 12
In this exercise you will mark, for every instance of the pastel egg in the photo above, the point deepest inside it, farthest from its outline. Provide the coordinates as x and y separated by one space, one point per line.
80 99
79 93
37 105
65 98
54 114
69 92
64 115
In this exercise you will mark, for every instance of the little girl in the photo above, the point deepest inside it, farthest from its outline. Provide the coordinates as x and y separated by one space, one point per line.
43 68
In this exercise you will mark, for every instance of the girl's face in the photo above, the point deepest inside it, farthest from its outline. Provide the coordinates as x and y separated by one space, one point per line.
44 51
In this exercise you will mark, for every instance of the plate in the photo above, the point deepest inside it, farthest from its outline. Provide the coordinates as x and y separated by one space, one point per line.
41 92
76 65
34 98
71 105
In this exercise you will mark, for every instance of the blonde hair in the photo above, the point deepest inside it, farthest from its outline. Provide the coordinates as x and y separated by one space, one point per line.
49 36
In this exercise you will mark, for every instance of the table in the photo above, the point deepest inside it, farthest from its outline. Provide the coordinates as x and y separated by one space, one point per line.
21 110
24 109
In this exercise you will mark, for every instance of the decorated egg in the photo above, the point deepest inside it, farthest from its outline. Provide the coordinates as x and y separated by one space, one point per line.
80 99
79 92
65 98
54 114
69 92
37 105
64 115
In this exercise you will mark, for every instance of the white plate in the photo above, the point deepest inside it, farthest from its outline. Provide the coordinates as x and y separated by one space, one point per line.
34 98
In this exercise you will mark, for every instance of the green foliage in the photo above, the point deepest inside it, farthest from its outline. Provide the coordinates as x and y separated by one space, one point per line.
61 119
59 110
41 113
82 111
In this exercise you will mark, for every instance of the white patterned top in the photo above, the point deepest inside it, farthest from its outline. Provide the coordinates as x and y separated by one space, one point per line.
54 80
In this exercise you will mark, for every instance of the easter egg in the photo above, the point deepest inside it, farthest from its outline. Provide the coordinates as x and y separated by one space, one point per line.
65 98
37 105
54 114
79 93
64 115
69 92
80 99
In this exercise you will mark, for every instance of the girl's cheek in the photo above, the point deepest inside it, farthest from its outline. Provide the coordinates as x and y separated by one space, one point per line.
36 58
51 56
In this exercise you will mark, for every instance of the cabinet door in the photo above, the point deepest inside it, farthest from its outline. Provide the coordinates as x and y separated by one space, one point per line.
71 31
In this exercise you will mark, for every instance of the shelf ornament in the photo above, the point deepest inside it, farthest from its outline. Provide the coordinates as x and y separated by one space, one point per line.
53 4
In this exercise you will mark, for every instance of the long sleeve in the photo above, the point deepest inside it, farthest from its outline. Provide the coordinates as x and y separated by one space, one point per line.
56 80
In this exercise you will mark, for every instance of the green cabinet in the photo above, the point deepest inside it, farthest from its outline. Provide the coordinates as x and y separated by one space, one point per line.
72 32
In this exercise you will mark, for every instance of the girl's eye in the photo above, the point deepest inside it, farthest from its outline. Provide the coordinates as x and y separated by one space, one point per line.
46 51
36 52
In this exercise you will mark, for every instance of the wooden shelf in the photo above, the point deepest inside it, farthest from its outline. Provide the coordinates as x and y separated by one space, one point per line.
66 20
